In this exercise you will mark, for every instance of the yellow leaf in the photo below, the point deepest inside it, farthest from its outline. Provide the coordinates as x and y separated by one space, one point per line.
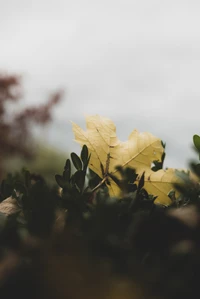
160 183
138 152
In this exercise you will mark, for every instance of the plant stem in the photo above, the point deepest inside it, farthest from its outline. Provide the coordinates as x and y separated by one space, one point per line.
100 184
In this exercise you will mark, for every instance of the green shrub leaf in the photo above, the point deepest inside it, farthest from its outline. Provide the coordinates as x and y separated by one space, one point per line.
76 161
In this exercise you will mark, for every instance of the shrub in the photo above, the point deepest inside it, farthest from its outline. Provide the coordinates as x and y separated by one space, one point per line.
74 240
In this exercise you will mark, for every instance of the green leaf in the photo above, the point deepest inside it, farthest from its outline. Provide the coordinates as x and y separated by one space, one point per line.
130 174
84 155
76 161
163 144
79 179
86 165
196 140
141 182
60 181
67 171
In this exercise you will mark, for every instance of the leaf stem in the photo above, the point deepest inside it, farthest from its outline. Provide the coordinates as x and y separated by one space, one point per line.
100 184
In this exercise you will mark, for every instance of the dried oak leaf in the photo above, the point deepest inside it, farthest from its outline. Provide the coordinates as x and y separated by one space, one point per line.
138 152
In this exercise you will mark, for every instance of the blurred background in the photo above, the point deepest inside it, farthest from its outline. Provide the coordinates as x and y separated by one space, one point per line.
136 62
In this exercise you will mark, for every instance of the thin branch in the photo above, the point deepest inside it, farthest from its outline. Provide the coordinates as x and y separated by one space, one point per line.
100 184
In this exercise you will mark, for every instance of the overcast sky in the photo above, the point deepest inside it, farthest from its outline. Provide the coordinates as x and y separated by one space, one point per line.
137 62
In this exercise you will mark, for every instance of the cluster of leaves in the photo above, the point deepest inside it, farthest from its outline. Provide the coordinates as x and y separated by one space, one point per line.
104 223
35 202
190 190
80 193
133 232
141 237
86 197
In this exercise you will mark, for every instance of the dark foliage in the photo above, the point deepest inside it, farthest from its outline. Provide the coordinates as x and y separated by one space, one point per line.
152 249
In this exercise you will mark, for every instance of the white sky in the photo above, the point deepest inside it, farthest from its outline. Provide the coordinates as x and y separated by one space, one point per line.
137 62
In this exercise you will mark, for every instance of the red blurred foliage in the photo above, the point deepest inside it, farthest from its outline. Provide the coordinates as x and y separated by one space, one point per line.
15 133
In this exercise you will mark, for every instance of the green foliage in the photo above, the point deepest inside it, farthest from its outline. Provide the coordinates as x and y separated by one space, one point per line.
196 140
36 200
139 237
190 190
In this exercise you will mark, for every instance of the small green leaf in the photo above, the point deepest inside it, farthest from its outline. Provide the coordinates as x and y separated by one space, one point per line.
86 165
84 155
196 140
67 171
76 161
130 174
141 182
79 179
60 181
163 144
